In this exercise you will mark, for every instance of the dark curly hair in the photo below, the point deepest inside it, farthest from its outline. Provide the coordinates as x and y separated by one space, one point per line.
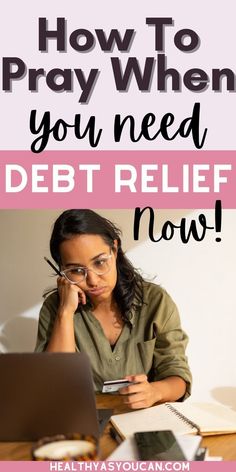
128 291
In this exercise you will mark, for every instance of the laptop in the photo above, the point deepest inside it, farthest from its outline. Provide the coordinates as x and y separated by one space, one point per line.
45 394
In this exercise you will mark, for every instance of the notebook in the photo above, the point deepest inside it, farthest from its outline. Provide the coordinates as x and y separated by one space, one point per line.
45 394
182 418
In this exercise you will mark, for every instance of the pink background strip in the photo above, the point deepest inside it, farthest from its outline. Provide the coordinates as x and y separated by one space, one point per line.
127 466
103 194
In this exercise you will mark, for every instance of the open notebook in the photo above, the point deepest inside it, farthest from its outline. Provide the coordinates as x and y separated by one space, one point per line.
182 418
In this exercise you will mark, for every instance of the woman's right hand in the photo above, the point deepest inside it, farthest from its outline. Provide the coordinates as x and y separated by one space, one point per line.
70 296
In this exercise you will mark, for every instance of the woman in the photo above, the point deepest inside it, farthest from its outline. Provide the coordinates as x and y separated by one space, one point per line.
128 327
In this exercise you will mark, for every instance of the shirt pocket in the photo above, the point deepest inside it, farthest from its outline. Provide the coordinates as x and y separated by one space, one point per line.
146 351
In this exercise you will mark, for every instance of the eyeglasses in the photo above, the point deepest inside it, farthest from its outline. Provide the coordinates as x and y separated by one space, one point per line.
76 275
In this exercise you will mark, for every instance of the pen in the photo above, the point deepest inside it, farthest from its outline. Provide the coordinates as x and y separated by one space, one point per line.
52 265
115 435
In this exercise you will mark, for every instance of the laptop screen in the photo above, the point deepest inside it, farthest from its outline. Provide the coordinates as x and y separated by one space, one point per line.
44 394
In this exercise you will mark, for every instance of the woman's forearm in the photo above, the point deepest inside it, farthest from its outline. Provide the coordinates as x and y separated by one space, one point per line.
169 389
62 338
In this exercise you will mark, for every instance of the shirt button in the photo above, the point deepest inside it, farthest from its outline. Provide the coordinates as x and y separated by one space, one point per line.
117 358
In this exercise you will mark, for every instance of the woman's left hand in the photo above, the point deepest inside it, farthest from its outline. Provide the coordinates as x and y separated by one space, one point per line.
141 394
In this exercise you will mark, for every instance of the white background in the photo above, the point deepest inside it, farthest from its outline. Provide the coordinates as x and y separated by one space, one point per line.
213 22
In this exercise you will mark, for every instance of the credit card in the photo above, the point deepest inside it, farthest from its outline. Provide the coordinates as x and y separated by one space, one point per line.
111 386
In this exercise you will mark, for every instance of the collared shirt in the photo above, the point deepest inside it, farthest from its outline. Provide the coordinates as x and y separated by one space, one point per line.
152 342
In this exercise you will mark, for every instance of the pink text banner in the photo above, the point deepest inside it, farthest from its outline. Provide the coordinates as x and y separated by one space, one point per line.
117 179
117 466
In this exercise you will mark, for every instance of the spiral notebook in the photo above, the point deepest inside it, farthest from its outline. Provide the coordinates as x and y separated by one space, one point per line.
183 418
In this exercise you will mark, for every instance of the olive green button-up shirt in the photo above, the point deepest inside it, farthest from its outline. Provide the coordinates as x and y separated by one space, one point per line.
152 342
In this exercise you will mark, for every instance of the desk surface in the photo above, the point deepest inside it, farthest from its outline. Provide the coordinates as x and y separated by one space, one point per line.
221 445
